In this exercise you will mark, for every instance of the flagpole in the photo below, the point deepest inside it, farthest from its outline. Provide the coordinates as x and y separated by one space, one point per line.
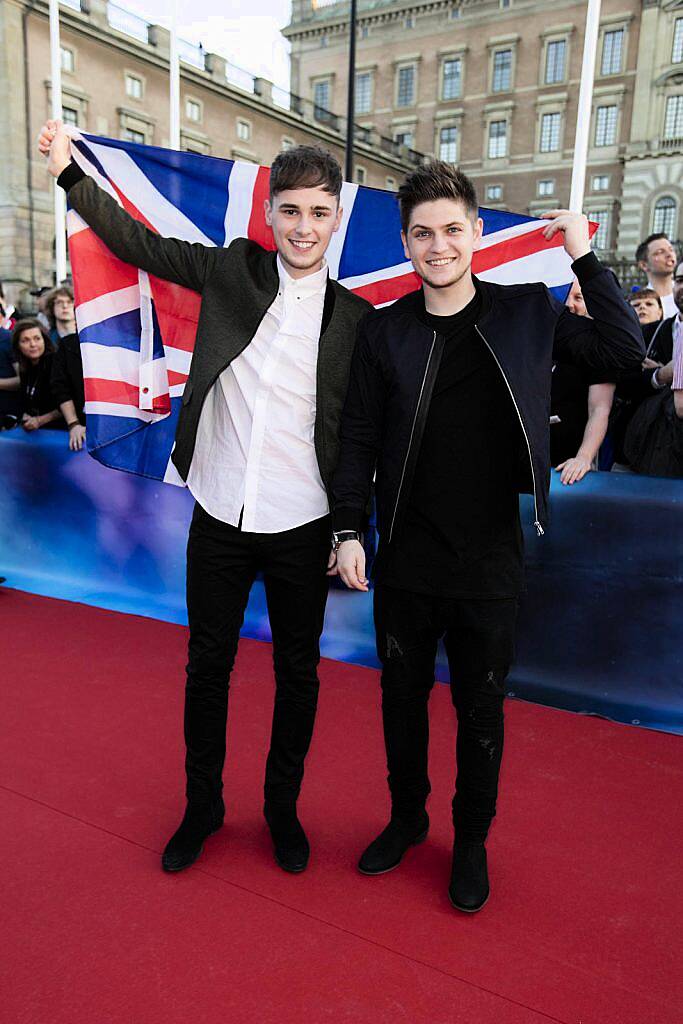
56 87
174 81
583 115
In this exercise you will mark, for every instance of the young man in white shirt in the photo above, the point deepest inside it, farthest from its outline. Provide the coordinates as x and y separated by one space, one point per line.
656 257
257 443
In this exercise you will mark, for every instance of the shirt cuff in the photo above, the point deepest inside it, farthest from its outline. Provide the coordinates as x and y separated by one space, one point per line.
347 519
587 267
654 380
70 176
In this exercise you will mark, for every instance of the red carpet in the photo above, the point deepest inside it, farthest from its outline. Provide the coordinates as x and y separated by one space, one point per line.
584 923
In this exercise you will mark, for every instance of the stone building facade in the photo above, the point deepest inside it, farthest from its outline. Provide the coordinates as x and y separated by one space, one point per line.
115 79
492 85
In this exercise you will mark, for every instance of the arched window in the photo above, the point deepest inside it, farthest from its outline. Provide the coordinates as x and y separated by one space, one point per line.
665 220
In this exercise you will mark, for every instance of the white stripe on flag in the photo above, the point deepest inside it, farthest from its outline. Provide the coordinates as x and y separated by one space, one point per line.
168 220
514 231
238 213
95 311
126 411
336 247
378 275
550 266
149 371
103 362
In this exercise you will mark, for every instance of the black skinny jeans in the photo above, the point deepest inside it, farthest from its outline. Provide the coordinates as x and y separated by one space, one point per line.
479 640
222 563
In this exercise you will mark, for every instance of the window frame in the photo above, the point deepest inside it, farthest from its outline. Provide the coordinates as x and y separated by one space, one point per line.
618 30
405 66
364 73
192 101
612 141
453 142
494 199
543 194
555 42
451 59
241 122
555 132
496 52
504 136
677 41
63 51
676 98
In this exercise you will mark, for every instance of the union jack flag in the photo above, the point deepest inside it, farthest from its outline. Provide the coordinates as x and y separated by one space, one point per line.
137 331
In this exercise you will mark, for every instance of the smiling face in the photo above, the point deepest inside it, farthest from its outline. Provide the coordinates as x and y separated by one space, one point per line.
32 344
303 222
440 239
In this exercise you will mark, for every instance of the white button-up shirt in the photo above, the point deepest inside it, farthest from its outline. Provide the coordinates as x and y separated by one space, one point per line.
254 449
677 326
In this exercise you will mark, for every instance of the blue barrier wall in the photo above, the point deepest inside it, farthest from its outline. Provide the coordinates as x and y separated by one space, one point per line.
600 628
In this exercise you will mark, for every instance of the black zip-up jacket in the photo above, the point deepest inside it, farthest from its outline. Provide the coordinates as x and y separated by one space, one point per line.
396 361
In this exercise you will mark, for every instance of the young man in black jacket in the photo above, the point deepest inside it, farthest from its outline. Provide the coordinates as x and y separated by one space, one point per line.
448 403
257 442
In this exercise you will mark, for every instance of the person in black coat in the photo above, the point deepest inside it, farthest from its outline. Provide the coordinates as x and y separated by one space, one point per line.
67 388
33 352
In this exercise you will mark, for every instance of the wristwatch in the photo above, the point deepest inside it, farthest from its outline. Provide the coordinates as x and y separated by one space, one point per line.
340 536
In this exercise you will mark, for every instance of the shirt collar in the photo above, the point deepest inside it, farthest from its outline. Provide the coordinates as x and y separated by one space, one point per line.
302 287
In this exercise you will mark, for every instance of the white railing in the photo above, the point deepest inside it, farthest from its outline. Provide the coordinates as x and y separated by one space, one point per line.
127 22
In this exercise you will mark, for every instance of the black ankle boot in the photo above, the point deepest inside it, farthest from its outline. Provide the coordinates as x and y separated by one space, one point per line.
185 845
386 851
290 845
469 888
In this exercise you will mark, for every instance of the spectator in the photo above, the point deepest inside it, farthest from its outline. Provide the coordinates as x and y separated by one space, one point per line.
7 312
656 256
579 411
10 403
651 437
647 304
33 352
67 388
60 313
41 296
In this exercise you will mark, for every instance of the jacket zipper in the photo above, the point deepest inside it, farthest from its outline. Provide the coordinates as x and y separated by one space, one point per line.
410 441
539 528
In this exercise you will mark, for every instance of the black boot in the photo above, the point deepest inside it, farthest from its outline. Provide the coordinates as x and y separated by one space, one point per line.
200 821
386 852
290 845
469 888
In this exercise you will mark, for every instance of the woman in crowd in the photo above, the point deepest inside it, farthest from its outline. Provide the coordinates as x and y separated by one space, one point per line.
33 352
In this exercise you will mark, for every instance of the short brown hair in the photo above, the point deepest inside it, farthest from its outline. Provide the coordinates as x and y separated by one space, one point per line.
645 293
305 167
27 324
436 180
62 289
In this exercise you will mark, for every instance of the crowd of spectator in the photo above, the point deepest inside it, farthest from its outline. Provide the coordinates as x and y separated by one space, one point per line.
41 373
629 423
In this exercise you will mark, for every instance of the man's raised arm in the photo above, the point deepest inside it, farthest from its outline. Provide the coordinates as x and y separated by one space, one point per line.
185 263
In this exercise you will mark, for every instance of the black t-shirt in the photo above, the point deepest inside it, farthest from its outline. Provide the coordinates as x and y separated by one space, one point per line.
461 535
569 404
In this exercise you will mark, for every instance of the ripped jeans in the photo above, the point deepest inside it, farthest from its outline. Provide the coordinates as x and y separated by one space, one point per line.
479 640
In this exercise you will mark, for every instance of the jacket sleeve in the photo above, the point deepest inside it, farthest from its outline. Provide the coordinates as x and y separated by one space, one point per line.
59 377
185 263
610 338
360 435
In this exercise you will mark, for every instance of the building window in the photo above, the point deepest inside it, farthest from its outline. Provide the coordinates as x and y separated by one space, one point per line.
677 51
67 59
321 99
554 61
69 115
550 133
410 21
364 31
448 145
497 139
546 187
451 82
673 121
134 87
363 92
606 126
287 143
455 13
193 110
390 184
502 71
243 131
665 218
405 139
612 52
360 174
406 86
600 182
600 239
130 135
494 192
